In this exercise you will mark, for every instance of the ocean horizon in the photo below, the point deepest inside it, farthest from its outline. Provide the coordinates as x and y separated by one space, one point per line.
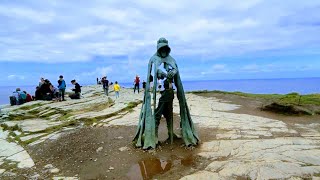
258 86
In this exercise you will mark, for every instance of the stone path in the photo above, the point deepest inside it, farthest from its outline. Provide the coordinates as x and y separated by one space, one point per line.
35 122
244 146
249 146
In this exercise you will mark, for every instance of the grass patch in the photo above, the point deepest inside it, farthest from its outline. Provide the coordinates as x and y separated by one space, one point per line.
30 106
130 106
18 117
99 107
56 128
9 165
11 128
291 98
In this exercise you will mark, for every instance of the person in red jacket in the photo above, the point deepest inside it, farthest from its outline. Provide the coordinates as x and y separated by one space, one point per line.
29 97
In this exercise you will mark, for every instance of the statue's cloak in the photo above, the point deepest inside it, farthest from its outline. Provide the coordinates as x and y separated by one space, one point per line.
145 136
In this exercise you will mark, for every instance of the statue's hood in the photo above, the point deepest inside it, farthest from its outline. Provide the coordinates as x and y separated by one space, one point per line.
162 42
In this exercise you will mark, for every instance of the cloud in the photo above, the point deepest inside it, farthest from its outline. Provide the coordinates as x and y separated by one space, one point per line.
217 68
99 72
71 31
15 77
25 13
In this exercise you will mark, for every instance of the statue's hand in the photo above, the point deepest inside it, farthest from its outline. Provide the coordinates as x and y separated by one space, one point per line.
172 73
161 74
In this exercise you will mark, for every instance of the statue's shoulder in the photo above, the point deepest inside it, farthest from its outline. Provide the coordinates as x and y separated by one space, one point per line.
155 59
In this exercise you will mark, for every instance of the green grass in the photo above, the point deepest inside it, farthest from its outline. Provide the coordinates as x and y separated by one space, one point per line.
30 106
11 128
130 106
291 98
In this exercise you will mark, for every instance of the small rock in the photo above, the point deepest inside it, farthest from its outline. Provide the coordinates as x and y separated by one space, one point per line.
54 171
94 124
48 166
111 168
5 116
36 176
99 149
95 160
2 171
9 174
120 137
123 148
17 133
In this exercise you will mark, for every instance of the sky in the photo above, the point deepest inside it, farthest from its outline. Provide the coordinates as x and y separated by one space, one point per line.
209 39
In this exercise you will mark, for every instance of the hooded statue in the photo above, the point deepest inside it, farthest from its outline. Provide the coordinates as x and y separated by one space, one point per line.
146 136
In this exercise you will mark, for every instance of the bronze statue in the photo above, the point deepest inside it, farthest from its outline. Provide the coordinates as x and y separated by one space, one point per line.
147 136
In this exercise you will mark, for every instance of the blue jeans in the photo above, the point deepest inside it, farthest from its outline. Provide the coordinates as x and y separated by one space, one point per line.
117 94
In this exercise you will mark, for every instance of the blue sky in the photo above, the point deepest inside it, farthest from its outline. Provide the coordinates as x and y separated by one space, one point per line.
210 39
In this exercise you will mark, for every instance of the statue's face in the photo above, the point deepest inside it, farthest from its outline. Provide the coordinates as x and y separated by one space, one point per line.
164 52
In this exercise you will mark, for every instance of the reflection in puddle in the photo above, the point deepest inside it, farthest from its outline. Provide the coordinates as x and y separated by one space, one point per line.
148 168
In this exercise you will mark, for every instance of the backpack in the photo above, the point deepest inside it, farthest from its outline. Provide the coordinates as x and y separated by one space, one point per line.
22 96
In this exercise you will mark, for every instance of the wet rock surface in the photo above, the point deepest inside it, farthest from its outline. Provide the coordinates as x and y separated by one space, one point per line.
91 138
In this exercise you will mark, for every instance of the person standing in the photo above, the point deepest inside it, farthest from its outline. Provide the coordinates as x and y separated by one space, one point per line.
144 85
136 84
97 80
116 88
105 83
62 88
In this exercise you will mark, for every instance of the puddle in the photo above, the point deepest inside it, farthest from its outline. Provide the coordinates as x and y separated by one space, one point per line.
148 168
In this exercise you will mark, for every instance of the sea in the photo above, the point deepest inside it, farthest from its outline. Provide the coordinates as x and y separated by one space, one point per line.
258 86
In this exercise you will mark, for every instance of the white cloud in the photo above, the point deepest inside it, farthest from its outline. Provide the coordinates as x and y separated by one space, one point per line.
25 13
217 68
99 72
68 31
15 77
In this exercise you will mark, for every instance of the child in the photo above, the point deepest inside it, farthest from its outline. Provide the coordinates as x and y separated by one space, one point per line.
116 89
62 87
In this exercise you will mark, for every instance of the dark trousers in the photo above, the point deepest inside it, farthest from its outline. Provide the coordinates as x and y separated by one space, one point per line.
136 86
165 109
62 91
75 96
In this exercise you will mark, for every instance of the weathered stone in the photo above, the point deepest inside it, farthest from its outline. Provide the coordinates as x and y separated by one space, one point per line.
54 171
124 149
25 138
99 149
33 125
202 175
48 166
65 178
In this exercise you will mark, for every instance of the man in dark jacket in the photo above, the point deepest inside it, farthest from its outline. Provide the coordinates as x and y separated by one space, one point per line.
77 90
105 83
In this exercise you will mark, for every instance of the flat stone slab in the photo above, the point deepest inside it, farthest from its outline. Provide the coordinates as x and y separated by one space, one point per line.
25 138
277 158
33 125
23 158
201 175
14 152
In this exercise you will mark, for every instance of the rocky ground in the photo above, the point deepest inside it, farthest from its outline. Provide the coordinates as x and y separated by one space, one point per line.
91 138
